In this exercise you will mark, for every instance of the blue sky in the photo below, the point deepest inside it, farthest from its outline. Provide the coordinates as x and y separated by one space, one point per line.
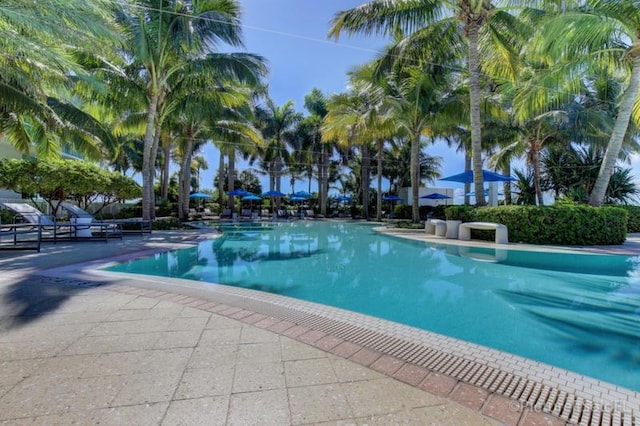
292 36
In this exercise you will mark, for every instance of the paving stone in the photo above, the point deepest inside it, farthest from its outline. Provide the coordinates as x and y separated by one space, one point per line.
213 356
12 372
259 352
268 407
322 403
147 388
202 382
250 334
346 349
386 395
349 371
139 415
505 410
198 411
411 374
438 384
365 356
309 372
387 365
258 377
222 336
469 396
536 418
294 350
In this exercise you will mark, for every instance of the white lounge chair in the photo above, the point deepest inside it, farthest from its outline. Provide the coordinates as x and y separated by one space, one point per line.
65 230
133 226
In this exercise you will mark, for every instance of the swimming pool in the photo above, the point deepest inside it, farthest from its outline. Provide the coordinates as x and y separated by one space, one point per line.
578 312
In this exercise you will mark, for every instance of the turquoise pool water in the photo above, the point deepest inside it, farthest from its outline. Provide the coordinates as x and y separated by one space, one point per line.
578 312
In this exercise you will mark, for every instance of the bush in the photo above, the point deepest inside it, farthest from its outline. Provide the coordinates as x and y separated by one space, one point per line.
409 225
7 216
167 223
569 225
634 218
402 211
460 212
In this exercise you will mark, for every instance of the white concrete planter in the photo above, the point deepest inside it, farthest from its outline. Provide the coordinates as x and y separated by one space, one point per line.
452 228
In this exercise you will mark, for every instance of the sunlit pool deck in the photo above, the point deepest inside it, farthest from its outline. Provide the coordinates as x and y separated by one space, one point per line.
456 382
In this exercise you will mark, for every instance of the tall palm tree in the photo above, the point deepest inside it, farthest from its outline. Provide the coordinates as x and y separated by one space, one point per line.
171 37
461 26
609 31
351 121
277 124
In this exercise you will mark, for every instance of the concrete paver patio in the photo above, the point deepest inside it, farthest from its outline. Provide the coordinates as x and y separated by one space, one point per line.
74 354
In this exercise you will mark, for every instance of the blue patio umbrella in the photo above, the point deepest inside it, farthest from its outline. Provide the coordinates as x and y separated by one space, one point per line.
343 198
487 176
295 198
436 196
251 197
391 197
200 195
304 194
274 194
238 193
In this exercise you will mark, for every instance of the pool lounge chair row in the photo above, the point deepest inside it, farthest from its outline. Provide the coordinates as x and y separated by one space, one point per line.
38 227
129 226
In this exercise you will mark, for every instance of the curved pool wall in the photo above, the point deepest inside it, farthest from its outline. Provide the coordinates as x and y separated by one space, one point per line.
580 312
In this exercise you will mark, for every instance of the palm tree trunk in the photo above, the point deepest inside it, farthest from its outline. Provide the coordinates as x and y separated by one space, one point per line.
152 170
619 130
474 101
379 193
278 176
467 186
415 177
365 181
324 180
165 172
535 159
221 179
147 160
231 171
184 179
506 185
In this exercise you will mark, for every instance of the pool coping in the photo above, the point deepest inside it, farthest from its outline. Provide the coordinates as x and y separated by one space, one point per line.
406 353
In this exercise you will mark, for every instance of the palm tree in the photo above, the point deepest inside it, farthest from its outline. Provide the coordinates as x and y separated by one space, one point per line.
443 25
277 124
172 38
34 63
609 32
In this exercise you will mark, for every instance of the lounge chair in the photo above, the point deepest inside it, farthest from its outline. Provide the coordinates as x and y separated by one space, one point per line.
129 226
246 214
207 214
79 228
226 214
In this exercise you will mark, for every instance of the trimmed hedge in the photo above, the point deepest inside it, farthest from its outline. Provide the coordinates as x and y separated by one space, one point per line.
567 225
634 218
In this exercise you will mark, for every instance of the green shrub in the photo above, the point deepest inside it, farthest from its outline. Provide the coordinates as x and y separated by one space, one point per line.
409 225
634 218
568 225
461 212
402 211
167 223
7 216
